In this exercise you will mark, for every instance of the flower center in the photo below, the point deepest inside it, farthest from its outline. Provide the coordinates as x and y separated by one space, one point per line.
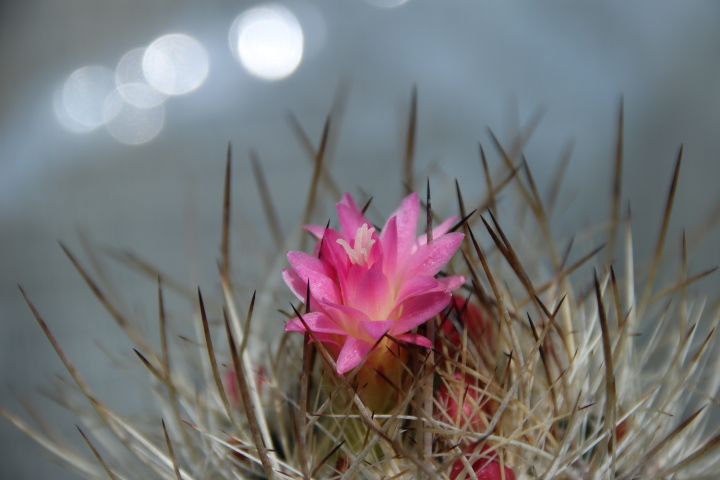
360 251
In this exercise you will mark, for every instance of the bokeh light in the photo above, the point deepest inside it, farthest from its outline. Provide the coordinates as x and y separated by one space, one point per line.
79 107
129 71
175 64
128 123
62 116
268 40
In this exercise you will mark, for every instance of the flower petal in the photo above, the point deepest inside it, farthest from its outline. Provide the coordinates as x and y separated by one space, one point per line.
313 270
415 339
331 341
452 282
350 319
440 230
371 292
316 231
417 310
332 253
351 218
318 322
419 285
352 354
406 217
389 243
428 260
376 329
295 283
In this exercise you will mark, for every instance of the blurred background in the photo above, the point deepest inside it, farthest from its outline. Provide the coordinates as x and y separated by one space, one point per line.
115 118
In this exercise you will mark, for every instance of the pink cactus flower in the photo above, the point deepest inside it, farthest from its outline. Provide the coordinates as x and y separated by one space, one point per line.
365 284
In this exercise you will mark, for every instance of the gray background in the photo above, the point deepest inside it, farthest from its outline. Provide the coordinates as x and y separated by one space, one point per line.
476 63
